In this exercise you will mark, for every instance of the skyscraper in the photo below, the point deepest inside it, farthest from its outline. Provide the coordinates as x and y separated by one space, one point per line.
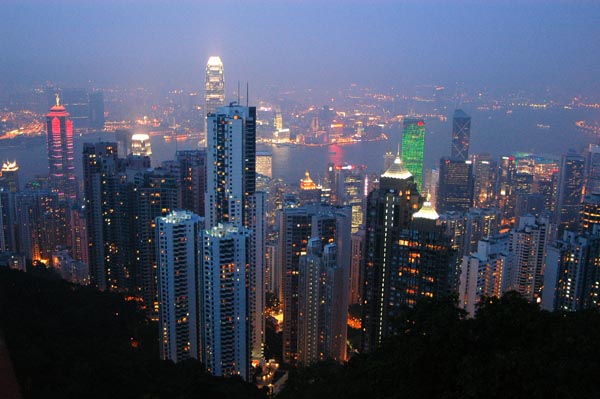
570 191
214 85
96 101
461 134
485 171
61 163
527 246
413 148
323 304
9 176
571 278
78 103
389 211
105 208
231 164
483 272
297 226
178 250
455 192
232 203
140 145
224 301
191 168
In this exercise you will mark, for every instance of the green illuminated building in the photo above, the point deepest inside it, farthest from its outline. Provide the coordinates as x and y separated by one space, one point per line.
413 148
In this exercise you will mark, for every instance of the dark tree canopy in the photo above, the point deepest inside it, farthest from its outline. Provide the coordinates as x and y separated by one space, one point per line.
68 341
510 350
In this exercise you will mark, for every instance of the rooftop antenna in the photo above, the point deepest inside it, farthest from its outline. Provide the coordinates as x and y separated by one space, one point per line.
247 91
238 101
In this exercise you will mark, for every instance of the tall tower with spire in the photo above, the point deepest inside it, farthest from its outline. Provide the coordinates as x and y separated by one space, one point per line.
389 211
61 165
408 256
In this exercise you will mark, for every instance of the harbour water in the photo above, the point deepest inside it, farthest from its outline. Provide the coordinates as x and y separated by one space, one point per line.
496 132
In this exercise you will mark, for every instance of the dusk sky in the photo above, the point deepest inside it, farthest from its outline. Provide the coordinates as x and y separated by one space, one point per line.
303 43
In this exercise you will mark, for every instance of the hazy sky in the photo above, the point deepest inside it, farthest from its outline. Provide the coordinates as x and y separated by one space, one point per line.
303 43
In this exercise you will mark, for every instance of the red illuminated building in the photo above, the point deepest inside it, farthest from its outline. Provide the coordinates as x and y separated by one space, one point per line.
60 152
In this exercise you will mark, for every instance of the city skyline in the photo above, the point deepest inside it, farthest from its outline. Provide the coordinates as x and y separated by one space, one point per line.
310 219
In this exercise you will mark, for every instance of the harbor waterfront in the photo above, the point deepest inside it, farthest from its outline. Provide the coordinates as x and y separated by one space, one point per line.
502 130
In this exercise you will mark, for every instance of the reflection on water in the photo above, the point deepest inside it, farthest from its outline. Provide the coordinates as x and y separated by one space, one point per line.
496 132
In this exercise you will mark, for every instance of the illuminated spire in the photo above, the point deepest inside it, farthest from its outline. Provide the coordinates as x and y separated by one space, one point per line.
57 99
307 183
397 170
427 211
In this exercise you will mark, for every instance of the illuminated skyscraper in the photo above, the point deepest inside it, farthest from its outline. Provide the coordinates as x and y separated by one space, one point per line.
231 164
140 145
483 272
461 133
214 85
485 173
191 169
527 247
592 184
389 211
413 148
178 262
232 201
297 226
59 129
570 191
323 304
9 178
455 192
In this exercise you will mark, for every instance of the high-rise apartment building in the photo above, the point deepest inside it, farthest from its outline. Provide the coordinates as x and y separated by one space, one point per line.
461 134
214 85
232 202
190 168
323 304
527 247
231 160
154 193
225 311
483 273
61 162
357 248
413 148
106 208
178 261
571 278
297 226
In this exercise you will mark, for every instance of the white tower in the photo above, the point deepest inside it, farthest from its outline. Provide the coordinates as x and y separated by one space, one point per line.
178 257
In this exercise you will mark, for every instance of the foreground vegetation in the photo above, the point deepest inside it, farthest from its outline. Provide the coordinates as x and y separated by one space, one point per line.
67 341
74 342
510 350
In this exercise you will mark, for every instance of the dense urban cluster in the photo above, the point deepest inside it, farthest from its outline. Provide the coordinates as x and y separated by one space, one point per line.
200 242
